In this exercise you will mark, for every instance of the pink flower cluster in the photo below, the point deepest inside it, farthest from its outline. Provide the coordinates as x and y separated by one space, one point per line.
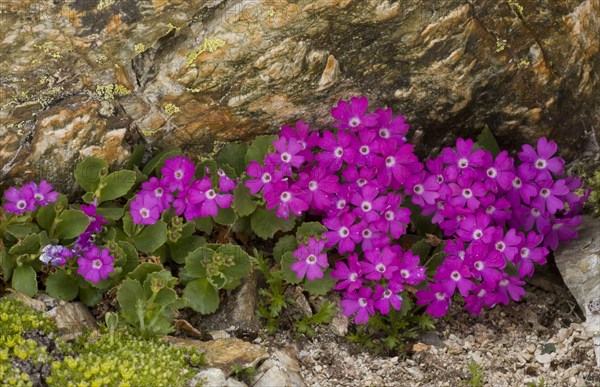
497 213
93 263
29 197
179 189
349 177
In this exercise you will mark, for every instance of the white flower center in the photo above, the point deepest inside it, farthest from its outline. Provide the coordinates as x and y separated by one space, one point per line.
517 183
440 179
97 264
440 296
21 204
360 182
362 302
366 233
545 192
353 277
479 265
144 212
285 196
490 210
311 259
313 186
404 273
364 150
525 252
343 232
210 194
266 177
340 204
286 157
380 267
178 174
481 293
338 152
503 282
384 133
389 215
418 189
467 193
492 172
387 293
39 197
158 192
500 246
477 234
354 122
390 161
461 255
540 164
366 206
463 163
455 276
535 212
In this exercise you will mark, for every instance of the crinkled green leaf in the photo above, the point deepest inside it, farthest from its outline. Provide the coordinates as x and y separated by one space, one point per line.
141 272
487 141
308 229
226 216
266 223
242 201
71 223
259 148
28 245
156 163
87 173
62 286
320 286
196 261
241 265
204 225
180 249
284 245
151 237
288 274
233 155
24 280
116 184
202 296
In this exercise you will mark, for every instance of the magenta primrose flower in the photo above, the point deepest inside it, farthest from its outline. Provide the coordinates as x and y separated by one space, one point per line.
177 173
360 303
203 195
19 201
353 115
311 260
42 193
541 162
145 208
95 264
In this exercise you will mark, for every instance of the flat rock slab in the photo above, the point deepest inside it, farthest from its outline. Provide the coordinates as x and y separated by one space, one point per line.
225 353
579 265
72 320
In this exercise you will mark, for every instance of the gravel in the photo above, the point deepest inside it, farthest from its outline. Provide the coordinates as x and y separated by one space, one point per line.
539 340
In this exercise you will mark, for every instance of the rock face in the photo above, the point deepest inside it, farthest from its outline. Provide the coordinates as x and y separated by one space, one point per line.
81 77
579 264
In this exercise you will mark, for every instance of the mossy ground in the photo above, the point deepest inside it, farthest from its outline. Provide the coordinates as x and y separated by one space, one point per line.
30 353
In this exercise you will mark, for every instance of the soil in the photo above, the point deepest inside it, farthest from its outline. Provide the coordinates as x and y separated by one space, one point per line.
539 341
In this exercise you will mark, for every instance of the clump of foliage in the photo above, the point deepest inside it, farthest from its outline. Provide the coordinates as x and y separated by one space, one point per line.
15 320
125 360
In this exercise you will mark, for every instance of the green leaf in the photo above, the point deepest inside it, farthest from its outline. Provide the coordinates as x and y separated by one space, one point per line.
129 295
151 237
157 162
266 223
45 216
133 259
90 296
285 244
422 249
136 157
205 225
242 201
116 184
203 297
180 249
141 272
20 230
226 216
71 223
7 263
233 155
320 286
259 148
28 245
87 173
487 141
241 264
309 229
286 270
62 286
196 261
112 213
24 280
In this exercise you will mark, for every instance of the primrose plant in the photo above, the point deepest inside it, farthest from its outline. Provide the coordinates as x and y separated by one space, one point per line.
500 218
